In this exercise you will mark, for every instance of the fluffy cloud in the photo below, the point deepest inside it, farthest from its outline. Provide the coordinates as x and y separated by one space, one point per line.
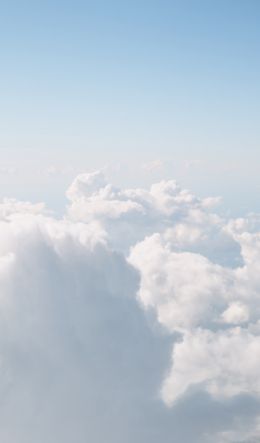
225 364
185 289
138 309
72 339
129 215
11 206
236 313
203 301
92 197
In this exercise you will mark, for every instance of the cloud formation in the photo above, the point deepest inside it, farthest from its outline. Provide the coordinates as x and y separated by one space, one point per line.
71 334
137 304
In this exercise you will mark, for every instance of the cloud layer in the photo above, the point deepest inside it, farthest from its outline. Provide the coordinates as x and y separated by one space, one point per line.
138 304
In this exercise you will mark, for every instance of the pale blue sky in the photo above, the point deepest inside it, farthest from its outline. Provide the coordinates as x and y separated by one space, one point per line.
87 84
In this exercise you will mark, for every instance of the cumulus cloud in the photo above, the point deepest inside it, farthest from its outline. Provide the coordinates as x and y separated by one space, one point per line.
72 340
185 289
11 206
134 313
224 363
236 313
129 215
203 301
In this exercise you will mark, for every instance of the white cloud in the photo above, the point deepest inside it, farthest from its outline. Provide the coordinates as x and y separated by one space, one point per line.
225 364
81 298
203 301
236 313
198 272
10 206
68 319
128 215
184 288
153 165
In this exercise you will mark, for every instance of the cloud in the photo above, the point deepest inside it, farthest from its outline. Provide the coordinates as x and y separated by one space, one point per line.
73 343
128 215
203 301
154 165
246 432
53 170
7 170
180 286
11 206
208 360
236 313
135 313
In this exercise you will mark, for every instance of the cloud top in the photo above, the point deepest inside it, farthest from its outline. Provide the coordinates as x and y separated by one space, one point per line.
136 301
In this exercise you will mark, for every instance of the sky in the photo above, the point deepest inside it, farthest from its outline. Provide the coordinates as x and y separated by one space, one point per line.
86 85
129 222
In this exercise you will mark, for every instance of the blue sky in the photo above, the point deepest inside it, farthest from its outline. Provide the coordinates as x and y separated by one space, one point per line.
89 84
